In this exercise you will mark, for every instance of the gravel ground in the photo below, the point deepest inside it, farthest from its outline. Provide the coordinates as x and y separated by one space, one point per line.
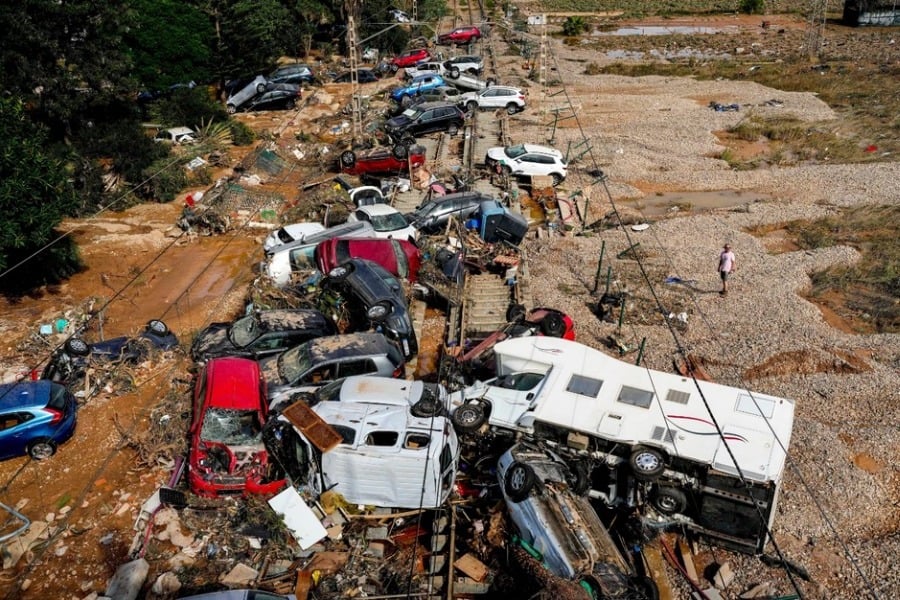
838 516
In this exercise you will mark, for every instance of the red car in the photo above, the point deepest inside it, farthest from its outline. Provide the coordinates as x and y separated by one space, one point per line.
409 59
398 257
383 159
460 35
227 454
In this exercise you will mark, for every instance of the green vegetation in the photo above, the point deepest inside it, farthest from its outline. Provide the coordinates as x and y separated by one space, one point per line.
868 289
574 26
664 7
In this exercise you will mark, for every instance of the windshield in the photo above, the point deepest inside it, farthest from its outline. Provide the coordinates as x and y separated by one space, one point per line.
231 427
244 331
389 222
514 151
294 363
330 392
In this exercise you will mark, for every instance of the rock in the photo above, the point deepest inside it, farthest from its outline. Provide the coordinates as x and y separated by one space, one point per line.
166 584
128 580
240 576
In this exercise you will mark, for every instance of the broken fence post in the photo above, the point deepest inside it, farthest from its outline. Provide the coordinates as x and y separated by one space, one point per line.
599 267
621 317
608 279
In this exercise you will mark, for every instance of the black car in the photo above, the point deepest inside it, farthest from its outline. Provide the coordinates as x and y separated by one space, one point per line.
261 333
370 297
71 361
424 118
278 99
434 214
295 73
362 76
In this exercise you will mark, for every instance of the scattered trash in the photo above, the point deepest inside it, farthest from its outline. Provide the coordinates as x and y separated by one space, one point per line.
298 517
724 107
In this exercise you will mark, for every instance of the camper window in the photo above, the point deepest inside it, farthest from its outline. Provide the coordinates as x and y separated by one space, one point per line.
382 438
754 405
585 386
519 381
416 441
635 397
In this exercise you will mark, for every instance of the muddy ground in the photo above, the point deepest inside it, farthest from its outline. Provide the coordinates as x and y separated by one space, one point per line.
138 267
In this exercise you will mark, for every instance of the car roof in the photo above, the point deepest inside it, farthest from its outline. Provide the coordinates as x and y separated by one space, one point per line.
295 318
381 390
425 76
540 149
436 104
24 394
233 383
347 345
378 209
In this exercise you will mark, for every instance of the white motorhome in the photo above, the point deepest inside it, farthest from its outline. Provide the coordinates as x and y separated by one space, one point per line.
672 438
389 444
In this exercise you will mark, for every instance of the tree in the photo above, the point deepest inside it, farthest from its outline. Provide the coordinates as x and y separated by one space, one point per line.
35 195
171 42
574 26
307 16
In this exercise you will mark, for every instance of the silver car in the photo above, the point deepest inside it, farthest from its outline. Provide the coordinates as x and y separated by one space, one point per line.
246 93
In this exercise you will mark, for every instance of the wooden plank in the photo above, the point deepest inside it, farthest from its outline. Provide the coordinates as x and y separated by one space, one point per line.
656 565
312 426
687 558
471 566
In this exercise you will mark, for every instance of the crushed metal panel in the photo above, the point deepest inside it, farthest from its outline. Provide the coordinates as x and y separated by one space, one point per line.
312 426
298 517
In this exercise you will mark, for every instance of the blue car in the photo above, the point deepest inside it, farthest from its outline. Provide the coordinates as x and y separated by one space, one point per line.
418 85
35 418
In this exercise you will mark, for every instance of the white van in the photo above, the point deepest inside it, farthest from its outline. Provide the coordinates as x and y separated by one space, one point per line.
376 450
177 136
299 255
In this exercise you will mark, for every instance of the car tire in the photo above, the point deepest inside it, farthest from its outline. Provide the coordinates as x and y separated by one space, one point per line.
157 327
400 151
231 109
405 100
557 179
581 478
553 325
76 346
291 104
519 481
454 73
515 313
647 464
407 140
348 158
394 68
669 500
339 273
468 417
512 108
452 129
260 88
41 449
427 407
472 106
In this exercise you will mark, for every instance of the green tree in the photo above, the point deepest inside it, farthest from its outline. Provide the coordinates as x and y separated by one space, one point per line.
35 195
171 42
574 26
306 16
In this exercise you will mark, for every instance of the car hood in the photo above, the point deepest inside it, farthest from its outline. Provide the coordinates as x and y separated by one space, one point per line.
268 367
398 121
497 154
212 342
468 96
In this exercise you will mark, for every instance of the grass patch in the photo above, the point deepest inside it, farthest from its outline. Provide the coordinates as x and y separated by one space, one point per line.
868 290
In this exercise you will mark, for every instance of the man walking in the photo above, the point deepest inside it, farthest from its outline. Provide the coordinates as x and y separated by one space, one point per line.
726 267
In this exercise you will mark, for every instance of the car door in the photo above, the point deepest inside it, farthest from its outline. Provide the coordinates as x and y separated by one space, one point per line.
13 438
424 122
490 98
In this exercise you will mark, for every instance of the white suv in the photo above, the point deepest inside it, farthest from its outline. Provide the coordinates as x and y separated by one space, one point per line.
497 96
525 160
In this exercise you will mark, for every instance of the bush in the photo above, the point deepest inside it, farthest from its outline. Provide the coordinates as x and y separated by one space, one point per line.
753 7
241 133
188 107
163 180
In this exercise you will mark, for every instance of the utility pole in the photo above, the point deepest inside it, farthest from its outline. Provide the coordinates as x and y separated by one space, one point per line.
355 100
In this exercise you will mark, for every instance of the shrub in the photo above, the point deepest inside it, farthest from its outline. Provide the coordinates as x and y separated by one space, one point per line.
163 180
574 26
753 7
241 134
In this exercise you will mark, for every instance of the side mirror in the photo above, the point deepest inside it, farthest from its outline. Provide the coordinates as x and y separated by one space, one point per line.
529 396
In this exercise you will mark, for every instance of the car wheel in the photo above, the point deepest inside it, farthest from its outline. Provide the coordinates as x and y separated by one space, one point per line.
77 347
468 417
407 140
426 407
405 100
515 313
553 325
41 449
512 108
348 158
472 106
157 327
453 129
557 179
400 151
669 500
580 482
231 108
394 68
454 73
378 311
519 480
260 88
291 104
646 463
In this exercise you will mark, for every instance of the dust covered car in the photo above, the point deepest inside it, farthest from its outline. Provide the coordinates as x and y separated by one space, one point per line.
261 333
226 454
75 356
545 501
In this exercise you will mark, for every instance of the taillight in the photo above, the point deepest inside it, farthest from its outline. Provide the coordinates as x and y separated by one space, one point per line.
55 415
